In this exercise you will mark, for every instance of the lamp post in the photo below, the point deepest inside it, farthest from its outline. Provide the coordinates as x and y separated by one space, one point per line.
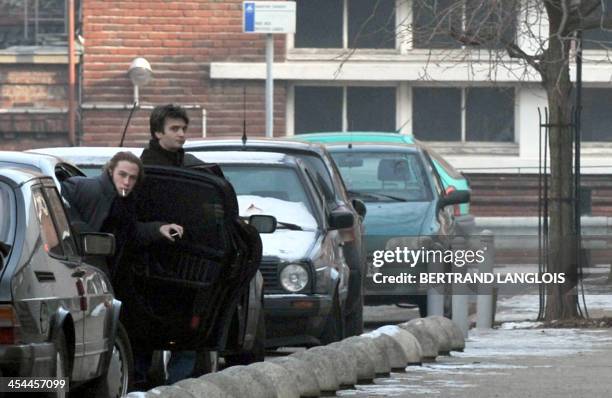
140 74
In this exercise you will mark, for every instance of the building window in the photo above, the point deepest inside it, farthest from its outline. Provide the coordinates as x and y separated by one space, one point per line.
599 38
33 22
596 118
452 24
344 109
482 114
345 24
318 109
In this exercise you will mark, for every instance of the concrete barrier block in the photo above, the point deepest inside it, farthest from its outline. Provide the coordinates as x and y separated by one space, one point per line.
382 365
429 345
323 368
231 385
456 335
307 383
202 388
410 344
439 333
395 352
258 387
346 368
168 392
282 379
364 364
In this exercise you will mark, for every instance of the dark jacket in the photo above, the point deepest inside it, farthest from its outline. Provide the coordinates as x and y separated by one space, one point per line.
91 199
155 155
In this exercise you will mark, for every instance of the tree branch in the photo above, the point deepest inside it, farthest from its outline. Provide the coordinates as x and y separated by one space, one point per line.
514 51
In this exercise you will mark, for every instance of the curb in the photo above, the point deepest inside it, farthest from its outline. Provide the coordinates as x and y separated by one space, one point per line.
326 369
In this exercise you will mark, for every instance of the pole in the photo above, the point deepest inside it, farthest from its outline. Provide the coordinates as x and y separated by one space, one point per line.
71 76
484 303
269 85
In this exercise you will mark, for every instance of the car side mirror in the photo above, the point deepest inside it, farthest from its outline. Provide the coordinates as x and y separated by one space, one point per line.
98 244
340 219
454 198
263 224
359 207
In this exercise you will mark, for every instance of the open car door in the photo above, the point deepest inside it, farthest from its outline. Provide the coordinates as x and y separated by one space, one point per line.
182 295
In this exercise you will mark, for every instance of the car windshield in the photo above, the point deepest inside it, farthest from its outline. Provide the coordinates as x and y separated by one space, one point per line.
271 190
384 176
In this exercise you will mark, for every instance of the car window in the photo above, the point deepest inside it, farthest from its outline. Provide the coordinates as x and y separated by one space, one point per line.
6 212
61 222
51 240
439 160
64 171
322 176
385 176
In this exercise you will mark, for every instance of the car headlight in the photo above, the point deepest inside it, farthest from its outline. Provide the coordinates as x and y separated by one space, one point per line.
294 278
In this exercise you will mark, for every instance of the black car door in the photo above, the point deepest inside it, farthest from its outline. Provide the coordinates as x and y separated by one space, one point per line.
178 294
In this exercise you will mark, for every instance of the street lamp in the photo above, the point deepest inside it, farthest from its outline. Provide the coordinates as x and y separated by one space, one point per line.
140 74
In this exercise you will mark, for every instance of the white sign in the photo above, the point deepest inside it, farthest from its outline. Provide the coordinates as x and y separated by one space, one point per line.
268 16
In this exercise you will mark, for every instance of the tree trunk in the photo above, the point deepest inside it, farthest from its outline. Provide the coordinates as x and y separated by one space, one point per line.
561 300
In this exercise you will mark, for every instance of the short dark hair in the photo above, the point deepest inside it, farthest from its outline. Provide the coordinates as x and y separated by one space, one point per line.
161 112
109 167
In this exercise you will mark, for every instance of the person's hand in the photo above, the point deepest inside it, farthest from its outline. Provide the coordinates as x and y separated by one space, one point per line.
171 231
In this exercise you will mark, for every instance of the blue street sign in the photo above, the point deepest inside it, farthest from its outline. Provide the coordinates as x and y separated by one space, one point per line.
249 17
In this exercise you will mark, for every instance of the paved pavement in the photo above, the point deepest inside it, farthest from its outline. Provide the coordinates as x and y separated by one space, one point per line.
510 363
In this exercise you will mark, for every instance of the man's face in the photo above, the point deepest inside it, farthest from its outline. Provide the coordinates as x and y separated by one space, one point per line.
173 136
125 177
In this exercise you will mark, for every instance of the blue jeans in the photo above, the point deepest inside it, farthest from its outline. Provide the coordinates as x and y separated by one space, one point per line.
181 365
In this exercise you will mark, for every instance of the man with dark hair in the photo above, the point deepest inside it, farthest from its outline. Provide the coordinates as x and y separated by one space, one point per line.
168 125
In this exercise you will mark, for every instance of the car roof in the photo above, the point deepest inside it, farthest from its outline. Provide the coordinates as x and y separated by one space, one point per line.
240 157
19 175
82 155
30 159
255 144
356 137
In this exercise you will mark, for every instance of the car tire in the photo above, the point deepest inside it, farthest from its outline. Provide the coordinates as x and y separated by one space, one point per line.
117 380
61 362
354 319
334 325
258 352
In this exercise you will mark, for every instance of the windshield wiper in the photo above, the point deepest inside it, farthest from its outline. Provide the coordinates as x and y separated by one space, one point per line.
376 196
289 226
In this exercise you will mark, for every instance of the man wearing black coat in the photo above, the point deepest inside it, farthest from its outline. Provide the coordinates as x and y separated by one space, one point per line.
105 204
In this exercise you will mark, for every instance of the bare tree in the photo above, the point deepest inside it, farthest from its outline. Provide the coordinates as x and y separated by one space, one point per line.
532 40
528 37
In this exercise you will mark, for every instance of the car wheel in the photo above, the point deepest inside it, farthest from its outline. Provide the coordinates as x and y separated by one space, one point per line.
61 362
116 381
258 352
334 326
354 319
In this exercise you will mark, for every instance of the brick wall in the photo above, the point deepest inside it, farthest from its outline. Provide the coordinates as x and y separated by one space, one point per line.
32 86
180 39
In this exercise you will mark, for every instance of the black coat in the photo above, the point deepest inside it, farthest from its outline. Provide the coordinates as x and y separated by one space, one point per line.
155 155
90 200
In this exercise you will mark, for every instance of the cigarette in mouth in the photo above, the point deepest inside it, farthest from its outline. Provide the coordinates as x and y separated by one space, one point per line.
123 192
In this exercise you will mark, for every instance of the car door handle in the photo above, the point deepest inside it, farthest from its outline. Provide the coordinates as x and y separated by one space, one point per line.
78 273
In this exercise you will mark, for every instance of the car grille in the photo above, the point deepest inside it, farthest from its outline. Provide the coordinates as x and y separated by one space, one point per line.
269 271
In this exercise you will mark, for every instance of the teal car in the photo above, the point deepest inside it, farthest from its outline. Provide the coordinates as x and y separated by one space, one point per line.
409 205
452 179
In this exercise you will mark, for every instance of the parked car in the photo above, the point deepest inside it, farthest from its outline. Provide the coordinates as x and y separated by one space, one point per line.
247 341
452 179
329 180
305 273
58 315
406 203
